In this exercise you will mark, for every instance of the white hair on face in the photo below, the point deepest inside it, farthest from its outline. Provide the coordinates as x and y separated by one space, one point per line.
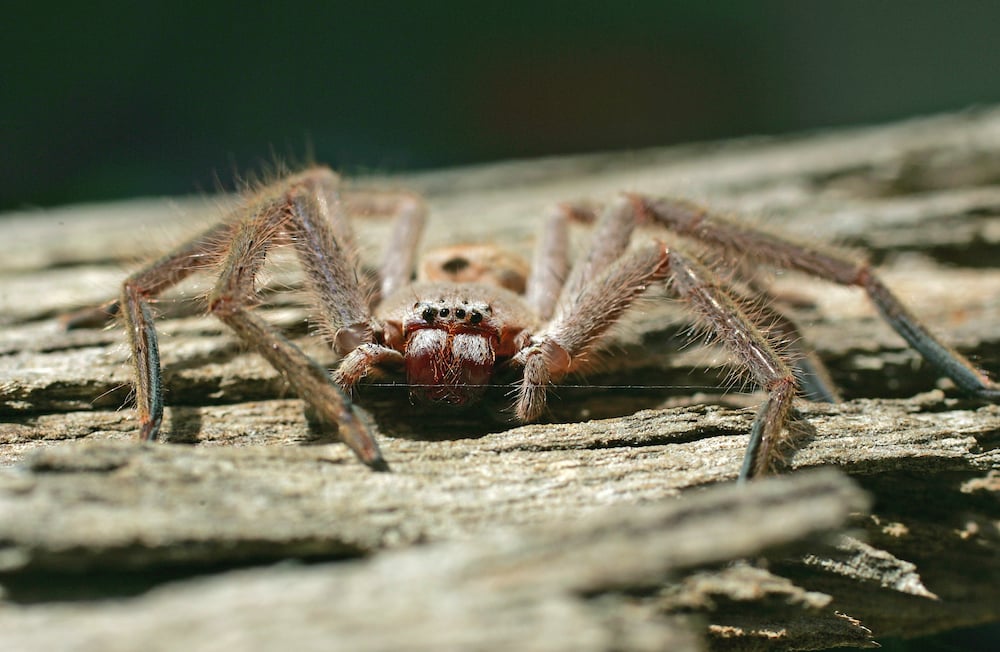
427 341
472 347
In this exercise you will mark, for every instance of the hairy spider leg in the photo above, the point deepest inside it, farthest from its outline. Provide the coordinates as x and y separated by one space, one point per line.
400 253
304 209
300 208
136 293
691 220
357 342
756 301
591 299
549 265
608 280
815 382
771 371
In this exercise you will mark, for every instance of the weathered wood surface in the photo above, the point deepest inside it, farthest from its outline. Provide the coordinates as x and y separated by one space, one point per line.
462 540
516 589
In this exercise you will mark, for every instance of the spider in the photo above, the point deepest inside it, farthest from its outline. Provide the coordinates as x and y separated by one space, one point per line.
478 314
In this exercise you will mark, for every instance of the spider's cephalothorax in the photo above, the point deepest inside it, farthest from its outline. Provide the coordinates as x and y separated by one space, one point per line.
452 341
449 354
450 334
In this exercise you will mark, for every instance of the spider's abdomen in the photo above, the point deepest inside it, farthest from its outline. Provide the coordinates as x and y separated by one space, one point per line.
448 365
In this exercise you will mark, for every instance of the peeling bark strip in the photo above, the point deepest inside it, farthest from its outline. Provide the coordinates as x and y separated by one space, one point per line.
547 533
536 588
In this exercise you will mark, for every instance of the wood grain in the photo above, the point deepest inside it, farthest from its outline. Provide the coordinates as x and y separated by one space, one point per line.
459 547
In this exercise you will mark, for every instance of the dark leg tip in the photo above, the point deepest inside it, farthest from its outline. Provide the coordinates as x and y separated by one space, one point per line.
991 395
94 317
149 430
379 464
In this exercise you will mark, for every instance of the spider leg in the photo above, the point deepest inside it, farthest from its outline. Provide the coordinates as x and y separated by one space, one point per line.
310 380
359 363
562 345
305 210
605 283
690 220
324 243
549 265
550 268
814 379
611 236
194 255
599 289
355 341
727 321
399 255
564 342
136 294
300 209
92 316
757 303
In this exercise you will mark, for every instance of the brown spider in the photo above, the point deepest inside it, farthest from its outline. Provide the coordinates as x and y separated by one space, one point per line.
451 334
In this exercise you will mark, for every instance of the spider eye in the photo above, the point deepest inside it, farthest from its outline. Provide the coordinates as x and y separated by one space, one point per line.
428 314
475 317
460 313
443 312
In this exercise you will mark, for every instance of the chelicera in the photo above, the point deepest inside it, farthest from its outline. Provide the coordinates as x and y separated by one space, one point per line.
479 313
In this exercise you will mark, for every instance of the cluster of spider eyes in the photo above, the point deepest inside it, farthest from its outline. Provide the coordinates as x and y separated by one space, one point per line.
430 313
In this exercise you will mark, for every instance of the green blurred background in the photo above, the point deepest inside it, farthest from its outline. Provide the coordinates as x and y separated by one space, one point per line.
110 99
102 100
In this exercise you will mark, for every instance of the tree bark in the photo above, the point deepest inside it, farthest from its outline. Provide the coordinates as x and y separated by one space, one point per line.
602 528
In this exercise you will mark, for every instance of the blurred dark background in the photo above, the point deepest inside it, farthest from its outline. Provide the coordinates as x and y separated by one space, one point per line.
111 99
